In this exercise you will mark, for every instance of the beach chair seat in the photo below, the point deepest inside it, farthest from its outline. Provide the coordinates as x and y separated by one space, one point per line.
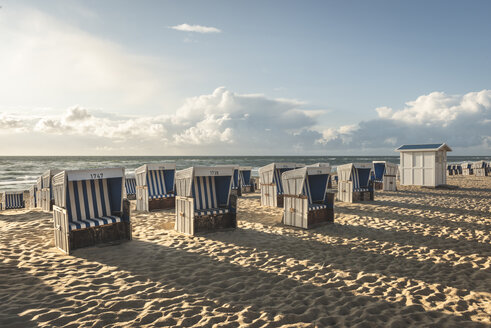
204 200
89 208
211 211
94 222
155 186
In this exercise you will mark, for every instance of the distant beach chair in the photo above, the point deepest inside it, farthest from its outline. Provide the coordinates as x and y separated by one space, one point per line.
236 188
246 180
89 208
354 182
33 196
467 169
306 200
384 175
47 197
479 168
271 184
130 187
12 200
155 186
204 200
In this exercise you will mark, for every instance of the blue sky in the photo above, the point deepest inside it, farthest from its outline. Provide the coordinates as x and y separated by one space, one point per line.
326 65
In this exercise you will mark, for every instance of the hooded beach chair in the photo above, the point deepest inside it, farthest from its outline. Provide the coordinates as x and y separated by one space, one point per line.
246 180
306 201
155 186
480 168
33 196
12 200
467 169
47 197
204 200
130 187
354 182
384 175
89 208
331 177
271 184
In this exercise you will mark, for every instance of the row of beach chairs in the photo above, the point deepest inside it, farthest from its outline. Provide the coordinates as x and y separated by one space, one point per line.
478 168
90 206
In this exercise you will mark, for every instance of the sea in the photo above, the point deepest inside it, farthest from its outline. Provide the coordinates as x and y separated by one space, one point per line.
21 172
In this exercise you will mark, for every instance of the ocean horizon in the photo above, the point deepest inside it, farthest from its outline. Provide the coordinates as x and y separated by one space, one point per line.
21 172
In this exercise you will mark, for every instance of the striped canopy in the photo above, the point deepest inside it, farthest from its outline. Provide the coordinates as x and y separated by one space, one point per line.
158 177
130 186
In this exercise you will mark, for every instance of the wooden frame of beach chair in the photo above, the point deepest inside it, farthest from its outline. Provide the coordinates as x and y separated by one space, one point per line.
89 208
307 203
204 201
39 188
33 196
246 180
354 183
12 200
130 187
384 175
271 184
155 186
479 168
47 197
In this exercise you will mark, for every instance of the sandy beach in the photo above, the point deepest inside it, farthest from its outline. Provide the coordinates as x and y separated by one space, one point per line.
417 257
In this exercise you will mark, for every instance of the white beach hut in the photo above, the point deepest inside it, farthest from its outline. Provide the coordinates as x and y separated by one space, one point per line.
384 175
271 184
47 198
354 182
204 200
89 208
155 186
423 165
306 201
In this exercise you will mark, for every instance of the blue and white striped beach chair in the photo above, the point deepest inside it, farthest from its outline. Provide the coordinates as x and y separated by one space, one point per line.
130 187
306 201
204 200
383 175
12 200
155 186
271 184
246 183
354 182
89 208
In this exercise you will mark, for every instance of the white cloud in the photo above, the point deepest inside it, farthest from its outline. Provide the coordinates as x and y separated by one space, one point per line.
196 28
461 121
225 122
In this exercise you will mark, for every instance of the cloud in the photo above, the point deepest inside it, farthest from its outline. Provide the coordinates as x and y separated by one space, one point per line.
461 121
225 122
196 28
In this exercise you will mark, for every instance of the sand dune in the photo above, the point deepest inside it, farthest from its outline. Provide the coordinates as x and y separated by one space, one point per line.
417 257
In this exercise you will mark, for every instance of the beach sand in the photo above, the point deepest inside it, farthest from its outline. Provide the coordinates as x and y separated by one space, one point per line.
417 257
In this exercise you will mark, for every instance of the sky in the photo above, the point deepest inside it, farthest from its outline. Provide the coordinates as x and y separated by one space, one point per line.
243 77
